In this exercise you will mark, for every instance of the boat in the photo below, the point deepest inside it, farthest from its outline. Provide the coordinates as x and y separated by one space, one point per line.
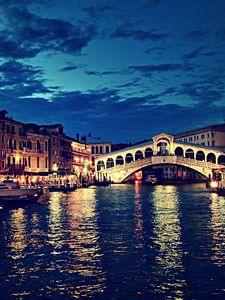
102 183
17 195
217 184
56 188
150 179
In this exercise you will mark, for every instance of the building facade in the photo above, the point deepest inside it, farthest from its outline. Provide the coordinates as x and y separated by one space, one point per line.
81 159
212 136
31 149
23 148
97 149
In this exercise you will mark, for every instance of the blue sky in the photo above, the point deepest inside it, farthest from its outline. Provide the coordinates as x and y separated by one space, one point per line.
123 70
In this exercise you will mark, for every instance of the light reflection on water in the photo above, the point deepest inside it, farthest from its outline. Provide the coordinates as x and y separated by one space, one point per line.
119 242
168 240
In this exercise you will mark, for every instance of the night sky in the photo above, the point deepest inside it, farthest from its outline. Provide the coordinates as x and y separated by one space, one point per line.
122 70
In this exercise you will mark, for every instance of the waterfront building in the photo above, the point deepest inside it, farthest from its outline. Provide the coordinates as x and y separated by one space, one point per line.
81 159
97 149
212 136
23 148
60 151
31 149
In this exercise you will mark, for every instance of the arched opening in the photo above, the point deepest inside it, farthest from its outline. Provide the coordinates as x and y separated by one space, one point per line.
29 162
119 160
109 163
100 165
221 160
29 144
139 155
162 148
129 158
8 162
96 149
179 151
189 154
148 152
200 155
211 158
38 145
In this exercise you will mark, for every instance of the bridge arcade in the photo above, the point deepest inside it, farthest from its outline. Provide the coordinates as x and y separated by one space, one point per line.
162 149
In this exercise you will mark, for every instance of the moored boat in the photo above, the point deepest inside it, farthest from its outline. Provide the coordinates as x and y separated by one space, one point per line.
9 195
62 188
217 184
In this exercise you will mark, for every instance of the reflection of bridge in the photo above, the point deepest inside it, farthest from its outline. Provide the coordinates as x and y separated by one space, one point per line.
161 150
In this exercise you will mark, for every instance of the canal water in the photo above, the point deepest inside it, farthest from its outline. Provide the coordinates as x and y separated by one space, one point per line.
117 242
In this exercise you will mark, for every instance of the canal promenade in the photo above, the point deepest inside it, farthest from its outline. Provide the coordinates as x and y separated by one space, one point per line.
116 242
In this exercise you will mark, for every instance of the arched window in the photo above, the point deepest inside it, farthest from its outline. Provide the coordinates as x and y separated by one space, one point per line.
46 162
96 149
221 160
100 149
179 151
162 148
139 155
38 145
92 149
200 155
129 158
29 162
8 161
211 158
100 165
119 160
189 154
148 152
29 144
107 149
109 163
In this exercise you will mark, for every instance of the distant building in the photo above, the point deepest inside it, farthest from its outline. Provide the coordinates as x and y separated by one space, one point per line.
212 136
81 158
60 151
97 149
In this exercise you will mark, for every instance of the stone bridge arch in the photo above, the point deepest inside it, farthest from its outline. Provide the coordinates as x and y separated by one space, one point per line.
162 146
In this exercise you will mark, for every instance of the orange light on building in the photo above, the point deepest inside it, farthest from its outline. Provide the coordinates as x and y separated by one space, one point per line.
138 175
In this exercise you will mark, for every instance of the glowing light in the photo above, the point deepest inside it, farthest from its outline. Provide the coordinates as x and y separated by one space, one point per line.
55 167
214 184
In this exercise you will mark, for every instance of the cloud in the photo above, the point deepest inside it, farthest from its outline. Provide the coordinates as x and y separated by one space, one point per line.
109 72
126 31
99 110
97 10
72 68
193 54
25 34
147 70
20 80
155 49
198 52
202 92
195 35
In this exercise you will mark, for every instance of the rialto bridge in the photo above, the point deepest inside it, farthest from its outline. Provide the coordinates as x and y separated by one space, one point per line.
160 151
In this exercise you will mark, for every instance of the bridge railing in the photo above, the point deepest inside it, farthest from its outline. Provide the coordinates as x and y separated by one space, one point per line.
200 163
158 159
